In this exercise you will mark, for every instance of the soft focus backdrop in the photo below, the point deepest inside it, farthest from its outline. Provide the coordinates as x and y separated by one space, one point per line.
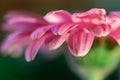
42 68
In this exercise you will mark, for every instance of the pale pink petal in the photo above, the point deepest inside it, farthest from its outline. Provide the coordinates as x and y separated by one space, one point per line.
18 20
63 28
22 19
60 16
32 49
91 13
100 30
94 21
16 16
116 35
40 32
21 26
96 11
80 43
114 14
14 42
89 18
55 41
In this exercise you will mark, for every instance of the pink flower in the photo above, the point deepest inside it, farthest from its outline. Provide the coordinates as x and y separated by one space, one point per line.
78 29
20 26
65 29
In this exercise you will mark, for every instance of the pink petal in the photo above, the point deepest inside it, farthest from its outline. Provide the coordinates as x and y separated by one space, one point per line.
19 20
17 40
80 43
33 48
55 41
114 14
60 16
100 30
96 11
21 26
63 28
116 35
89 18
40 32
22 16
91 13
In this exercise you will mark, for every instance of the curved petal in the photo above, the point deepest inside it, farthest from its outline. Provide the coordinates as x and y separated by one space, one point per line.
114 14
40 32
96 11
92 17
55 41
15 18
62 29
21 26
32 49
116 35
80 43
60 16
100 30
17 40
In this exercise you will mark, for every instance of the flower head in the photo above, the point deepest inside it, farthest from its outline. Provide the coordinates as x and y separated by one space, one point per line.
79 29
57 27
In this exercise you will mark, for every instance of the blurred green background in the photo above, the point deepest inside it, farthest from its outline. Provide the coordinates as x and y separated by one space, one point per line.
42 68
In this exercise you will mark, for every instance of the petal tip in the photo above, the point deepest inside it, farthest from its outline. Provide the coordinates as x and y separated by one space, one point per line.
80 54
28 59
